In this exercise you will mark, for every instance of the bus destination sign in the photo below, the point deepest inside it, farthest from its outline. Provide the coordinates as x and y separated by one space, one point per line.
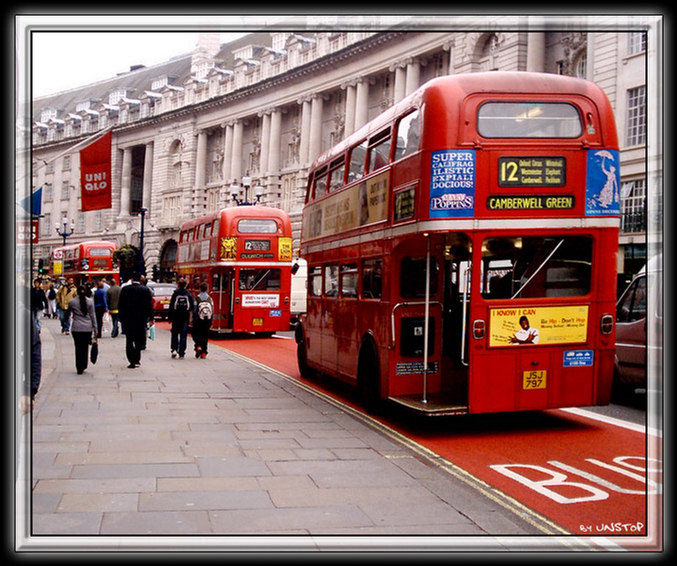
524 171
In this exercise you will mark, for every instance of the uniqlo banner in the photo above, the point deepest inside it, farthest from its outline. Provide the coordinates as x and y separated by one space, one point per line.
95 174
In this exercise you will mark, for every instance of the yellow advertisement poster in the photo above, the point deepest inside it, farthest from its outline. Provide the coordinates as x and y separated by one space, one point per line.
58 267
284 249
361 204
228 249
538 325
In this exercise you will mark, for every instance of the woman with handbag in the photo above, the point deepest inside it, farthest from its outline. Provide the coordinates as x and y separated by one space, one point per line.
83 327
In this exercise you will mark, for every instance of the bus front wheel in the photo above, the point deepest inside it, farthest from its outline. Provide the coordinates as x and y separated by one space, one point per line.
302 354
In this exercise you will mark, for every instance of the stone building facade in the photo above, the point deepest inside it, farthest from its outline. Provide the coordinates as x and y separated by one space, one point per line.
188 132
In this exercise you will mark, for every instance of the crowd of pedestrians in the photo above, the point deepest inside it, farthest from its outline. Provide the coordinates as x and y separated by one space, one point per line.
87 311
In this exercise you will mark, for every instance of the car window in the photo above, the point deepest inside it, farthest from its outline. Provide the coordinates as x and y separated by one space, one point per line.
633 305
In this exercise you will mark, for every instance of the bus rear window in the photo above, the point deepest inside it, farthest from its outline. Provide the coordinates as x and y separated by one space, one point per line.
257 226
100 252
538 266
529 120
259 279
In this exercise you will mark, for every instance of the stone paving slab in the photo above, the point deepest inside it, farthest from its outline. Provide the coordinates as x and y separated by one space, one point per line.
223 447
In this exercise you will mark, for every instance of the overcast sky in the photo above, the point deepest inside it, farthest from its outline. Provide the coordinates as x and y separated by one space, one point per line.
65 60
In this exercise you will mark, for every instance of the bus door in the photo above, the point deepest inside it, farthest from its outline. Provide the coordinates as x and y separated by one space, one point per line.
455 318
222 295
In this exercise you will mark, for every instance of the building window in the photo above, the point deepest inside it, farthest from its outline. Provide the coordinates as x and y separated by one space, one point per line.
46 224
65 190
636 117
633 203
581 66
636 42
66 163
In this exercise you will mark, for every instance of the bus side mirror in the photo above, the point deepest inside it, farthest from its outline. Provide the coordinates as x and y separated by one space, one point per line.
295 268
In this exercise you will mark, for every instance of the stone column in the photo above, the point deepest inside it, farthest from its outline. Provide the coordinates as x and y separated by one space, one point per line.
315 140
361 103
227 151
125 181
350 109
147 178
274 143
200 173
536 51
413 76
399 89
236 162
304 143
265 143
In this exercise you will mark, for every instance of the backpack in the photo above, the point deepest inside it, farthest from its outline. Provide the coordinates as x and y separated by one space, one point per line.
204 310
181 304
51 295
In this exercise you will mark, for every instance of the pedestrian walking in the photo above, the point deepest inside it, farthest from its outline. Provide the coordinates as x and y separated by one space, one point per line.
202 321
63 296
112 298
180 307
83 328
51 300
38 300
100 306
136 313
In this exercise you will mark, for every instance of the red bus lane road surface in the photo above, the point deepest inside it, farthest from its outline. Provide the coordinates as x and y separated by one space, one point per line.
586 475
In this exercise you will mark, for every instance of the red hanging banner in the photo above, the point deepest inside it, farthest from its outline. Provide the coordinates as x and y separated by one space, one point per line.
95 174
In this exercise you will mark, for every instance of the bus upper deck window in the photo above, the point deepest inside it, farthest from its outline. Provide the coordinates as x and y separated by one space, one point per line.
257 226
356 165
408 135
320 183
336 174
529 120
379 150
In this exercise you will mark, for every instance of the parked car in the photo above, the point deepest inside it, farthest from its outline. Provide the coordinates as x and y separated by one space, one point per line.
639 328
162 294
299 276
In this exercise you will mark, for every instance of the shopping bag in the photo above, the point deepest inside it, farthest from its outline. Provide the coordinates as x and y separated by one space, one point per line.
151 332
106 324
94 352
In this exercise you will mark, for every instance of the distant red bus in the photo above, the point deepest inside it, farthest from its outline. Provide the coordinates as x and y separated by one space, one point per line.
461 248
85 261
244 255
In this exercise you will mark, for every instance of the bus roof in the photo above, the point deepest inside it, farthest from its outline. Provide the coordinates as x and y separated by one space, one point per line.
88 244
459 87
228 214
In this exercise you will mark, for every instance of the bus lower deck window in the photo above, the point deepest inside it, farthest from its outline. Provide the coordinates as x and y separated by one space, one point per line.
372 270
538 266
263 279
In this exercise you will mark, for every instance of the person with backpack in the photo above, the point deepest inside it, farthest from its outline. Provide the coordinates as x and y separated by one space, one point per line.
202 321
180 307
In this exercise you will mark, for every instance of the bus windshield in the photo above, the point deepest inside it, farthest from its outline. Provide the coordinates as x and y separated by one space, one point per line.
259 279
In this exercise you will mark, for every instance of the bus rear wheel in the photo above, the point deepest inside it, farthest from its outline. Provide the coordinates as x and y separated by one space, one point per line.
368 379
302 354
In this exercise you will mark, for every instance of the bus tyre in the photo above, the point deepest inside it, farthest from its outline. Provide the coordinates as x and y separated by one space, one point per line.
302 354
368 379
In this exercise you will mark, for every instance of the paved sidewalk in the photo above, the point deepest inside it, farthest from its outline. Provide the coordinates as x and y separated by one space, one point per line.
223 447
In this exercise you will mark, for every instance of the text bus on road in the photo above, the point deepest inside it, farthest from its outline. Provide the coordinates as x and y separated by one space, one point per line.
86 261
244 255
461 248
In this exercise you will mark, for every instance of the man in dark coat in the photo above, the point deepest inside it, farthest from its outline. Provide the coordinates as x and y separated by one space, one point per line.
136 313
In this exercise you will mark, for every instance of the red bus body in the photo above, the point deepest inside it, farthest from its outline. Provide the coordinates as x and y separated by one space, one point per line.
244 255
509 200
86 261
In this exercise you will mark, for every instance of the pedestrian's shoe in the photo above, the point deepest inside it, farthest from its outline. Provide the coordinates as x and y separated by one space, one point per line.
131 366
174 354
181 357
197 352
203 355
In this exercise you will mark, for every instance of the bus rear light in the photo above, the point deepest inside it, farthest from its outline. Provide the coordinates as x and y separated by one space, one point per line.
478 327
607 324
286 300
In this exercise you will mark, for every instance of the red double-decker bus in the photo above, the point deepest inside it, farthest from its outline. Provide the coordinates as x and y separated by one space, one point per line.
461 248
244 255
84 262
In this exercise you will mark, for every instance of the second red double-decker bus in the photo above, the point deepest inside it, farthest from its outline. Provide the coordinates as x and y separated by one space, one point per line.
461 248
86 261
243 254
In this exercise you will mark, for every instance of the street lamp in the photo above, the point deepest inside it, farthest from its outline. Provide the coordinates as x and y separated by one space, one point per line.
246 183
65 233
142 263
